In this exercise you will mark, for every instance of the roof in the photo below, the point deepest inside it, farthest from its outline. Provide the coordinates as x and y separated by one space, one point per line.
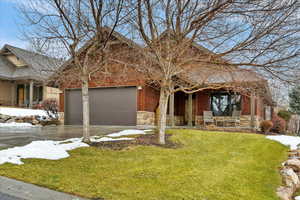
199 75
54 77
215 76
38 67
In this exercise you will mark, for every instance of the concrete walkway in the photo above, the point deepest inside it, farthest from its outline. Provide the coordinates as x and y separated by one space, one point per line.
11 189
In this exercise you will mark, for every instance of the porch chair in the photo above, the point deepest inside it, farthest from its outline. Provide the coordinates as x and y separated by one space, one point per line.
208 117
235 118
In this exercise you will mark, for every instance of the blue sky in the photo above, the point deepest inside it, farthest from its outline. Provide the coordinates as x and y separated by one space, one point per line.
10 20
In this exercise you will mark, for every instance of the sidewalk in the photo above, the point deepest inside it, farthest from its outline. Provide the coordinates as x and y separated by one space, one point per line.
11 189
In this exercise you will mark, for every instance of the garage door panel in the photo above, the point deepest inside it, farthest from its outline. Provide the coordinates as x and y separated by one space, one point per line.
108 106
73 107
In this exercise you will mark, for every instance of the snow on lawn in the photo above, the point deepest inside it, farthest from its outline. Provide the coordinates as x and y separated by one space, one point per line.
291 141
14 124
22 112
55 150
127 132
51 150
107 139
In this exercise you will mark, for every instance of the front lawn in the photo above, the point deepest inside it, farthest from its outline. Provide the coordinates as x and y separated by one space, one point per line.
207 166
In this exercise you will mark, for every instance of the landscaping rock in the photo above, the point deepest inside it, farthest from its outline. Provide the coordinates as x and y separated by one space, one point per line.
35 122
51 122
19 120
28 119
294 154
285 193
10 120
294 164
290 178
4 117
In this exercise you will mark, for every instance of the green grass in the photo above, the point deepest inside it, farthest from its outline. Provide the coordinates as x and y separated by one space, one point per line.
208 166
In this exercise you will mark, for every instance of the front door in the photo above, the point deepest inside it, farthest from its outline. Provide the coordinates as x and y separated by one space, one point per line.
20 96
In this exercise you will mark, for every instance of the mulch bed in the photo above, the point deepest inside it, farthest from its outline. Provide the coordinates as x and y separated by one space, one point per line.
145 140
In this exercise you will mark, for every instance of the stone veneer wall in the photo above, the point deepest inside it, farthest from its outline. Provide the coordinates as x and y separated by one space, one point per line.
145 118
61 117
148 118
245 120
179 120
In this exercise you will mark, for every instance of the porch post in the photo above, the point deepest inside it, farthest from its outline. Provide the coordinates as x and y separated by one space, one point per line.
171 110
252 110
13 93
31 94
190 110
25 95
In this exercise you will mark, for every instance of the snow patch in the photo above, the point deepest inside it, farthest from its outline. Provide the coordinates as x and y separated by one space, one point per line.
127 132
55 150
291 141
107 139
48 149
14 124
297 198
21 112
148 130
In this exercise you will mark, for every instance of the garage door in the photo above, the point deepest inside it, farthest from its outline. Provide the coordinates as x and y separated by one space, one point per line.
108 106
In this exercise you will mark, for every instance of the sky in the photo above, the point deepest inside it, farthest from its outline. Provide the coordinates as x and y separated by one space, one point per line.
10 24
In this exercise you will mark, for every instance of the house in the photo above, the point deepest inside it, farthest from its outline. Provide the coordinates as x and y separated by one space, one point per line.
125 97
22 77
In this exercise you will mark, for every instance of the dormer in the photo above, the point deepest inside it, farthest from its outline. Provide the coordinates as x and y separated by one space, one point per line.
13 59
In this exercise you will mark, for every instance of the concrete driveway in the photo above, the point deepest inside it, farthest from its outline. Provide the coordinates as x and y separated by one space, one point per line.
21 136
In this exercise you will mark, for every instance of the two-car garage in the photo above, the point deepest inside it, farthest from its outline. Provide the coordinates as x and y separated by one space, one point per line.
108 106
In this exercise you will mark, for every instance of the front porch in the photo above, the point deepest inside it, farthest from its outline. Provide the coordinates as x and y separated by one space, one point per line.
222 105
21 93
187 110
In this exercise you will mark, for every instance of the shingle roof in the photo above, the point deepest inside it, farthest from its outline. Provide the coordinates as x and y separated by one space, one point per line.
38 67
195 75
6 68
227 75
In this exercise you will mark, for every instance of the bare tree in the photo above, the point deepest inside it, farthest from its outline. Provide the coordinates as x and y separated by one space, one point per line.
76 26
256 35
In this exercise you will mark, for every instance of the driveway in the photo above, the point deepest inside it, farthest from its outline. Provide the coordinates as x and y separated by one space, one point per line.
20 136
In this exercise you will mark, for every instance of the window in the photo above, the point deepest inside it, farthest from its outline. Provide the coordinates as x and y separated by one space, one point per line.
222 104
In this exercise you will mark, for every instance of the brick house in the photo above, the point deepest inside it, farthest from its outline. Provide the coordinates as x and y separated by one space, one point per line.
22 77
126 98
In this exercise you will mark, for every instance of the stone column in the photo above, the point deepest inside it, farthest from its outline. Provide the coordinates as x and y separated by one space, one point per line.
31 94
190 110
252 110
171 110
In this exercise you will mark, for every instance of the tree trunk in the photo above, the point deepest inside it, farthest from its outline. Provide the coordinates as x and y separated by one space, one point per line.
85 109
163 105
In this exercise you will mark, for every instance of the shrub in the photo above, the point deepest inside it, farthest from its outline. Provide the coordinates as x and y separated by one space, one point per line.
51 107
286 115
279 124
266 126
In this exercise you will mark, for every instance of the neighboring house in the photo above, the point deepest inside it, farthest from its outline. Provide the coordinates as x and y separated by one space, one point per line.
126 98
22 77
